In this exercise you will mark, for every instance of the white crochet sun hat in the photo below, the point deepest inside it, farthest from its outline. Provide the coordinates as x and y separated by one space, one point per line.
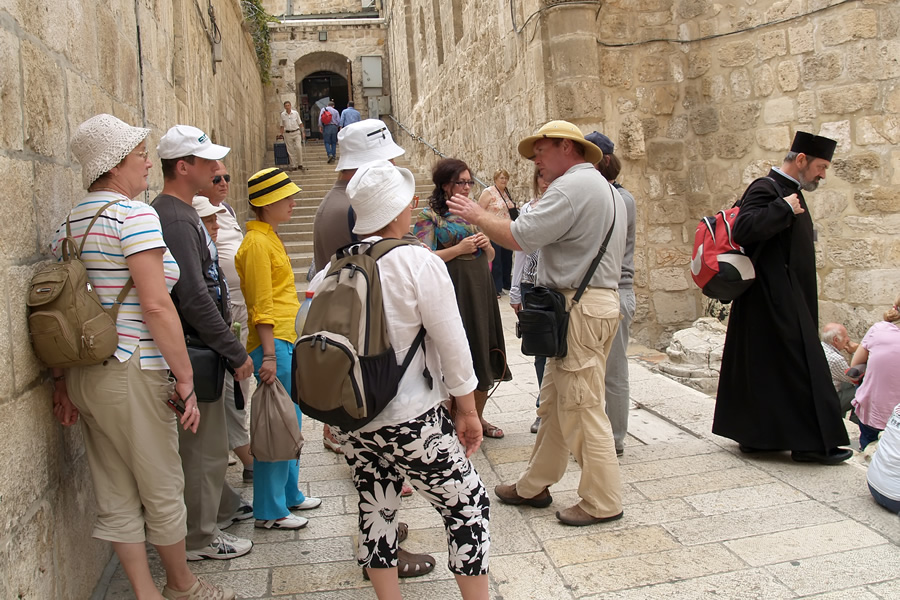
365 141
379 192
101 142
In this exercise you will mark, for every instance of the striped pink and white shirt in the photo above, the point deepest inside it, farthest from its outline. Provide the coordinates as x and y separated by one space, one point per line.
125 228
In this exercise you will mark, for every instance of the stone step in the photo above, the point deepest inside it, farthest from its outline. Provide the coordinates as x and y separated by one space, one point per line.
301 235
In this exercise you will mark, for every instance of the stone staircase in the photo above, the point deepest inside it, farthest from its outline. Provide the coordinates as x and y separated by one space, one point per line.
315 180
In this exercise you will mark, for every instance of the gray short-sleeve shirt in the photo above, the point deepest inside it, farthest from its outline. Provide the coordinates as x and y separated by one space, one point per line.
568 225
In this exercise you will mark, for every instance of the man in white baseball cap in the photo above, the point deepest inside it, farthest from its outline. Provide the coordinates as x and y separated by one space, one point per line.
189 163
184 140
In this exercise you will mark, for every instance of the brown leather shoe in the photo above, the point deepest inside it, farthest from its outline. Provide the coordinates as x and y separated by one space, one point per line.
507 494
578 517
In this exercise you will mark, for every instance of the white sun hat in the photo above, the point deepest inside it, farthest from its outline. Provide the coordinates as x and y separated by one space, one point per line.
205 208
379 192
101 142
184 140
365 141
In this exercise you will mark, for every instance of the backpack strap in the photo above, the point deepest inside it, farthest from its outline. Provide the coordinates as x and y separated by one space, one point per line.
596 262
69 240
376 251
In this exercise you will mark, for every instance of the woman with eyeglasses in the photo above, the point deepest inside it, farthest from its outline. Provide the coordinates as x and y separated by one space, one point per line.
497 200
467 253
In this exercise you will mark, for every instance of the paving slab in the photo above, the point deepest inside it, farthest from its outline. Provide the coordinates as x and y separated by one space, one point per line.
702 521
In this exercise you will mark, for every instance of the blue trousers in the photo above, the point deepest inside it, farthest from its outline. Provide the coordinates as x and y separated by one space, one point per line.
329 135
276 484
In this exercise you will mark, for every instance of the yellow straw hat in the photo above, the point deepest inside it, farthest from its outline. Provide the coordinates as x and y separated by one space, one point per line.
269 186
560 130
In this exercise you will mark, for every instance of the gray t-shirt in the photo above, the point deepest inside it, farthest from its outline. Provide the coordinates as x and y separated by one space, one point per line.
627 279
568 225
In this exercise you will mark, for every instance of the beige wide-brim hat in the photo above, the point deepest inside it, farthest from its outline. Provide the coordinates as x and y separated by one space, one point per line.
379 192
560 130
101 142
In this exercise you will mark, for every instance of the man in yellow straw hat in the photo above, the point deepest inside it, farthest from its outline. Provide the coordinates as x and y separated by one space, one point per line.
568 226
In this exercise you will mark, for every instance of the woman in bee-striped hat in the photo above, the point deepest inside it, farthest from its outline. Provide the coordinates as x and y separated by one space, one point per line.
267 282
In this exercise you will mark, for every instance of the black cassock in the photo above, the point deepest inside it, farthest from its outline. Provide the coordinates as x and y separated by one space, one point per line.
775 390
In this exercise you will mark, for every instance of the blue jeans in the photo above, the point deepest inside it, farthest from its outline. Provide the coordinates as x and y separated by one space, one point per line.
329 134
888 503
276 484
867 435
539 361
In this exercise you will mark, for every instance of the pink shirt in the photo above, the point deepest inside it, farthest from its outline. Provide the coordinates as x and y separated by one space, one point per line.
880 390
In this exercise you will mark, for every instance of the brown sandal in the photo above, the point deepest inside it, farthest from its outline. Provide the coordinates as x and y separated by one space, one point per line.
410 565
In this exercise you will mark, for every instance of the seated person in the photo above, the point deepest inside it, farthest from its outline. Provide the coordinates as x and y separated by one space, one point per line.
836 341
884 471
879 392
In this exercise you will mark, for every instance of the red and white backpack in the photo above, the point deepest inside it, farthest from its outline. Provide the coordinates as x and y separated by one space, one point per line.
719 266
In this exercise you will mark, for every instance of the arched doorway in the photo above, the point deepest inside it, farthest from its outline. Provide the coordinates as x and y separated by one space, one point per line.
322 75
315 88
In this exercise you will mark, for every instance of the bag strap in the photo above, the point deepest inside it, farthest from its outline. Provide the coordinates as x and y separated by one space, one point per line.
596 262
383 246
69 240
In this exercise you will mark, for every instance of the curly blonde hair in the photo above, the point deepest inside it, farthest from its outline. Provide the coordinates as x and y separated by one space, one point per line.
892 314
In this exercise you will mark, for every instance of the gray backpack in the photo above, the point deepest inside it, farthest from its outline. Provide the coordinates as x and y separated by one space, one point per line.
69 326
344 369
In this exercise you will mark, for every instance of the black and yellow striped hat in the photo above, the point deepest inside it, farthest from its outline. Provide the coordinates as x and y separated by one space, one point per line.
269 186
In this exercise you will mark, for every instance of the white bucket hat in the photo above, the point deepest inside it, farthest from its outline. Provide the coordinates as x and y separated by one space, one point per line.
101 142
365 141
184 140
205 208
379 192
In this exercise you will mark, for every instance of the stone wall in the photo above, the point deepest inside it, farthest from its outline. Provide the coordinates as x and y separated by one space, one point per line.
149 63
695 117
319 7
297 53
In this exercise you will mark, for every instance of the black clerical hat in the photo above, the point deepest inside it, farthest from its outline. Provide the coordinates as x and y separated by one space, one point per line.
813 145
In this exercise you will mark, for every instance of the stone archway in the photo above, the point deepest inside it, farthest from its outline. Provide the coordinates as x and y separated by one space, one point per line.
319 75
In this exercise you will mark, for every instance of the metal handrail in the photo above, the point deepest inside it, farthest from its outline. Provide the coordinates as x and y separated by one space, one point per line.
431 147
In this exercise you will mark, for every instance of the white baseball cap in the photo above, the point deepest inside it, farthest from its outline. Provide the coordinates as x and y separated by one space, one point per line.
205 208
379 192
184 140
365 141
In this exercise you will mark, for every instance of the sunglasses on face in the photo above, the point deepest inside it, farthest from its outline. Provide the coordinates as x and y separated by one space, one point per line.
218 179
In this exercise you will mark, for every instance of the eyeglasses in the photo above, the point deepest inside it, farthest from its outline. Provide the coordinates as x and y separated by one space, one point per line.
415 202
143 153
218 179
468 182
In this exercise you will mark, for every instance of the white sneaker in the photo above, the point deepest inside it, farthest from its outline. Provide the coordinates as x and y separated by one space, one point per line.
223 547
201 590
244 512
308 504
289 522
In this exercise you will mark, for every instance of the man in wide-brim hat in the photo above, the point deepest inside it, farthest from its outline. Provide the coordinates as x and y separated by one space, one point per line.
775 390
568 226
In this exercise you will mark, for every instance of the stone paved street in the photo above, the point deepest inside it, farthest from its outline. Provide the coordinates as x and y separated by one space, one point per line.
701 520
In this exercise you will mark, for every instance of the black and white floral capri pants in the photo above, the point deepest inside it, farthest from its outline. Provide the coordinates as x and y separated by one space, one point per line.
428 452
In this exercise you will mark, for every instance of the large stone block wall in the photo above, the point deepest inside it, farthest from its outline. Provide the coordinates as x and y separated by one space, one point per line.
297 53
693 121
319 7
61 63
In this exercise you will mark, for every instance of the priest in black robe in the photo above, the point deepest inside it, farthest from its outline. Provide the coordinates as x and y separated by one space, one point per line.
775 390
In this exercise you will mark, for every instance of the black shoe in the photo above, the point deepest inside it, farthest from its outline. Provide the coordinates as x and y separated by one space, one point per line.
834 456
749 449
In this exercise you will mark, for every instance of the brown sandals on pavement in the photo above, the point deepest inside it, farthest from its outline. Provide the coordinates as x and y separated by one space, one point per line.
410 565
492 431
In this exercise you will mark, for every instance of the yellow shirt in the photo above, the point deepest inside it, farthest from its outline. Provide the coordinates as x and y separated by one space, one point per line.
267 282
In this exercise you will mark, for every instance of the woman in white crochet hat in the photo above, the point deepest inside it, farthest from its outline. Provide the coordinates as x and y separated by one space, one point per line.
130 431
414 436
267 282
